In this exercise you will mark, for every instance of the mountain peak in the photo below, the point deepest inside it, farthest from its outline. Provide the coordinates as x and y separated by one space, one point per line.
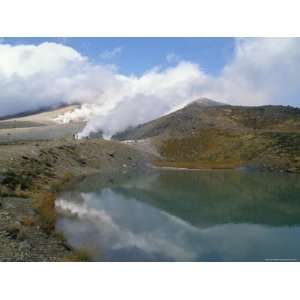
208 102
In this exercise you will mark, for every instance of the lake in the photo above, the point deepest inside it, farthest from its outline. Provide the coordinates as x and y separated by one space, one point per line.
169 215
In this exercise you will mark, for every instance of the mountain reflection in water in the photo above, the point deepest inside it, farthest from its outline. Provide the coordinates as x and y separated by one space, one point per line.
184 216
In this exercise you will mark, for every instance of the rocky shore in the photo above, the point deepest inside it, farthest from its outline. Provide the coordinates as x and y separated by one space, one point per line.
31 175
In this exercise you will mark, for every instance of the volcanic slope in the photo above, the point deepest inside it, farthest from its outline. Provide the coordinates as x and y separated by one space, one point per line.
210 134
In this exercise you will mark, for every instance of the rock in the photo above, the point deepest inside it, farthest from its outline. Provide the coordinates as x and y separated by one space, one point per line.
292 170
25 246
111 154
81 161
12 231
22 236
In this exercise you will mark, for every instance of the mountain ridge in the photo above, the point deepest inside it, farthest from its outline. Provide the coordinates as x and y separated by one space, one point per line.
203 101
224 136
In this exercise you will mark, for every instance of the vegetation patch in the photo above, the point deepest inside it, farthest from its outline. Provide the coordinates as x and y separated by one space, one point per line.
44 204
78 256
27 221
223 149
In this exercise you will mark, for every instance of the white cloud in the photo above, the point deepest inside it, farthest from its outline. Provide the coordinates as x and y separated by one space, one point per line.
27 60
262 71
110 54
49 74
172 58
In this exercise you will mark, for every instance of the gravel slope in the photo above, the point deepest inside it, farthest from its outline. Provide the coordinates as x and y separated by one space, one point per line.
39 133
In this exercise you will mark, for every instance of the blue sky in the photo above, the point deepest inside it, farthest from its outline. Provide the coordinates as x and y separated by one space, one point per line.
137 55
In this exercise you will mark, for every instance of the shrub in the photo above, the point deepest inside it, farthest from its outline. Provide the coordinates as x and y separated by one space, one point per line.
17 181
44 203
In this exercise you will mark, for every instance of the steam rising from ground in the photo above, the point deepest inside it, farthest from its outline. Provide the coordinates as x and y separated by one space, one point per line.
262 71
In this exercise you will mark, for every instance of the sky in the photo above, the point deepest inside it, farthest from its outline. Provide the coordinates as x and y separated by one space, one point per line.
137 55
117 78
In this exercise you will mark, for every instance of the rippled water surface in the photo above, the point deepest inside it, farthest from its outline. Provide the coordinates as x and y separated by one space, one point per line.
184 216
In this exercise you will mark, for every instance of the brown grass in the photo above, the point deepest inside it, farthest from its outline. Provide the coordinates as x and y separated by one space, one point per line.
44 203
60 237
27 221
78 256
58 185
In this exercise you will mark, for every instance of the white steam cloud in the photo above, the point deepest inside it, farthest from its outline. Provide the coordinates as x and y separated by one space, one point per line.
261 71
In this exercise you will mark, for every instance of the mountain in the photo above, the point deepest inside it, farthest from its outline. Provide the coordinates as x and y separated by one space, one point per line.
209 134
208 102
180 122
36 118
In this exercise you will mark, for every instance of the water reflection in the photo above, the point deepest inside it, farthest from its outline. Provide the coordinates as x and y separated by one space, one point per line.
184 216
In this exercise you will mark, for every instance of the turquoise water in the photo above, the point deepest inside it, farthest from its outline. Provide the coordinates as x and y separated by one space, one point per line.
184 216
